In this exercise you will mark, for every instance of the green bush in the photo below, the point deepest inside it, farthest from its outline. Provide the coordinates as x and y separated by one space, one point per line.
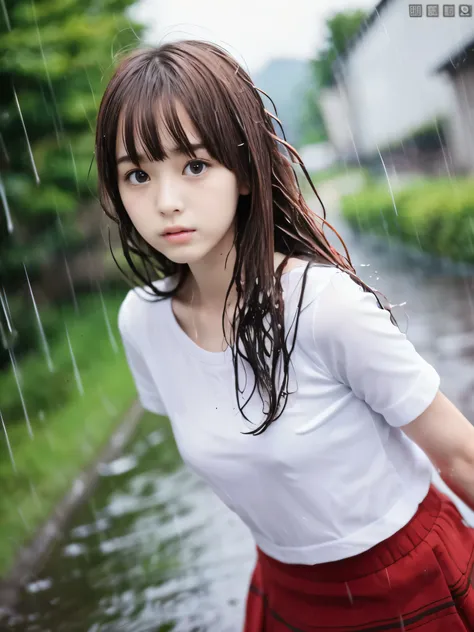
437 216
47 391
70 433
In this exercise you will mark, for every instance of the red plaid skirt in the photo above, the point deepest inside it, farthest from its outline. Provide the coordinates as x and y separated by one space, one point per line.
418 579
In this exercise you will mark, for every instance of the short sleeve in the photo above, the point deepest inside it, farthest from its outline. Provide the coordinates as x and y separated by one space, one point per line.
361 348
145 385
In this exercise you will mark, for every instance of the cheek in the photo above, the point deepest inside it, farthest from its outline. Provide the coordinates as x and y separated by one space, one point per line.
135 207
223 198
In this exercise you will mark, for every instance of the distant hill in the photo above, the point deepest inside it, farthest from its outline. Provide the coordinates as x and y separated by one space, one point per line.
285 81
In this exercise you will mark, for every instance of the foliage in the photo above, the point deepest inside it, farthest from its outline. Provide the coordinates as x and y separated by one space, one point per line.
43 390
430 136
436 216
341 28
312 129
71 431
54 60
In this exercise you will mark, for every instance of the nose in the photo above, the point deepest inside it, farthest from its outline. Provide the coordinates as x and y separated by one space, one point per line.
168 198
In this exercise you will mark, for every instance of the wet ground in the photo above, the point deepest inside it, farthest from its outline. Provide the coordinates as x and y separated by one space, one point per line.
153 549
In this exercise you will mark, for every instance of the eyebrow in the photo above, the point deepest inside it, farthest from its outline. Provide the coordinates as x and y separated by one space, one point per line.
142 158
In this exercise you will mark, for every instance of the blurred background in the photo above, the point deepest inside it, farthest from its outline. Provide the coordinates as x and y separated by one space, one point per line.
101 526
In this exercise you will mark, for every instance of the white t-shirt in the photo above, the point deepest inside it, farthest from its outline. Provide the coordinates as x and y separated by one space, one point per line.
334 475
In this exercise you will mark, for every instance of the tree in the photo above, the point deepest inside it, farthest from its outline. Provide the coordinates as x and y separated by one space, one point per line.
312 129
341 28
54 61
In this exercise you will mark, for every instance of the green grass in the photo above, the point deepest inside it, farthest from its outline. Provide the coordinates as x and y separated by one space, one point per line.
74 427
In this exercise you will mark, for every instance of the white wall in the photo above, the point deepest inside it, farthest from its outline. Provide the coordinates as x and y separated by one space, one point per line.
334 110
462 126
389 74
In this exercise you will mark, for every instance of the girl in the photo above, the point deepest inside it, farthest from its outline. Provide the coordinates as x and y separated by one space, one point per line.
288 387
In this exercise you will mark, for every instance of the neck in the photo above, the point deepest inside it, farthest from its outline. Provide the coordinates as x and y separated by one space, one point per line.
210 278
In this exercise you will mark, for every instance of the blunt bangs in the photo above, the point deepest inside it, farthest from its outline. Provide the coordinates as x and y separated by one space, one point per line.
147 103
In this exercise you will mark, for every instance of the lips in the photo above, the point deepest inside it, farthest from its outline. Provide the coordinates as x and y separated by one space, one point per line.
177 229
178 235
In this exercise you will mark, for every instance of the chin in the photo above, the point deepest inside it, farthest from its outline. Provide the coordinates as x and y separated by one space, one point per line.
181 256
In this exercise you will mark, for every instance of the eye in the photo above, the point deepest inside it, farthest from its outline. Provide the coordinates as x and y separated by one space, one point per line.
196 167
137 177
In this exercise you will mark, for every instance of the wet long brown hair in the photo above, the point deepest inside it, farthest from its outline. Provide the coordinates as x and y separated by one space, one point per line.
227 111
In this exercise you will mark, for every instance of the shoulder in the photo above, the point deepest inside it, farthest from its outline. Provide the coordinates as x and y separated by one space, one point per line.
344 312
137 304
318 278
333 301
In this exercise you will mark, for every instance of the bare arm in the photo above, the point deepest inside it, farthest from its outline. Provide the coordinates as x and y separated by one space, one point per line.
447 438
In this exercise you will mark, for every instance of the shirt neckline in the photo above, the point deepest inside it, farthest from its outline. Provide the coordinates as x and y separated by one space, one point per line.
204 355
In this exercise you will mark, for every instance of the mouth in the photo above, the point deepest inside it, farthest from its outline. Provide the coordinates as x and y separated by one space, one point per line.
178 234
176 231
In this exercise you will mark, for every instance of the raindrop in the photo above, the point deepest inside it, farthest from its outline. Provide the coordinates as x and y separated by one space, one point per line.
5 15
349 594
112 339
87 118
382 23
4 149
53 118
8 443
40 326
398 304
77 375
388 182
71 283
92 90
50 85
32 159
20 392
6 207
7 339
74 168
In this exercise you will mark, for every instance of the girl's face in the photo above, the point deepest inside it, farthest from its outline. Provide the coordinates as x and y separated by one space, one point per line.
197 194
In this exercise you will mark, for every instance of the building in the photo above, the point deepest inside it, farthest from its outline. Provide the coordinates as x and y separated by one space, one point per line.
393 79
459 68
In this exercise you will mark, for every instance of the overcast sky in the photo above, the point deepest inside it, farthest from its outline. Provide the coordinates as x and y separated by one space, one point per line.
255 31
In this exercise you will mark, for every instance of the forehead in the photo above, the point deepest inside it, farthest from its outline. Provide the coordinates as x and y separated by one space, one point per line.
162 128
